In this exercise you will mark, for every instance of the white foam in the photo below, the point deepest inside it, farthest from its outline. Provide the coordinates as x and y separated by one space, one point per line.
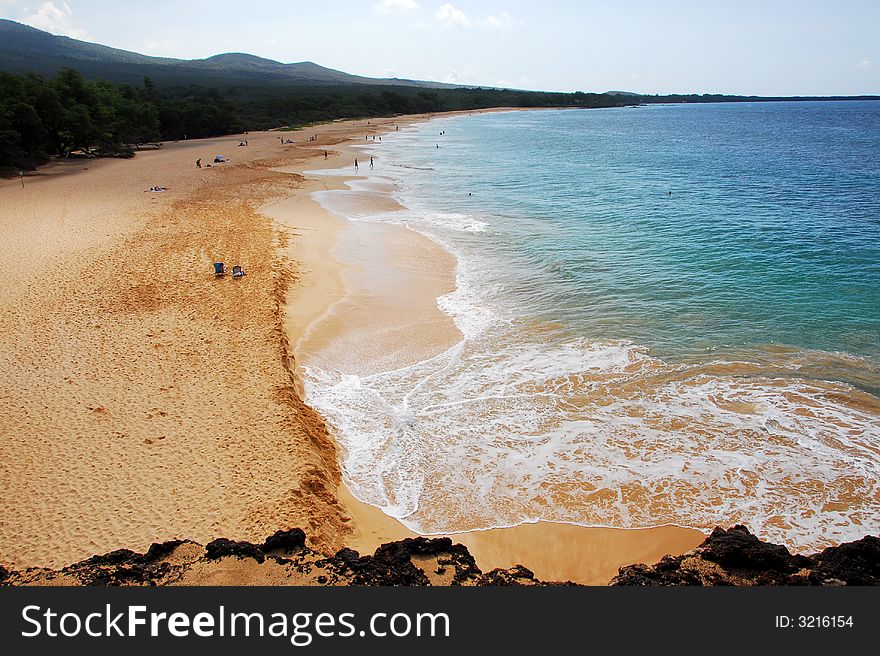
501 431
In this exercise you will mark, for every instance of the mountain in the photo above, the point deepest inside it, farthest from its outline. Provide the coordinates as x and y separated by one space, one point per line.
24 49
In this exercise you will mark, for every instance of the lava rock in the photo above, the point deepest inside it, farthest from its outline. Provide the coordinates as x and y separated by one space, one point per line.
738 548
736 557
516 575
222 547
287 541
854 563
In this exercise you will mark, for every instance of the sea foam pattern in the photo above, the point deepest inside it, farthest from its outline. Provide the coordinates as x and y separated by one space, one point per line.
499 430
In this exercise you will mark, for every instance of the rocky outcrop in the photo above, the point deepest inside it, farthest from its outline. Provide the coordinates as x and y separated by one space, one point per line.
223 548
727 557
736 557
285 541
282 559
413 561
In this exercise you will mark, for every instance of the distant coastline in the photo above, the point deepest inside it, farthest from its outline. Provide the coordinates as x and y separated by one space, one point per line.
155 99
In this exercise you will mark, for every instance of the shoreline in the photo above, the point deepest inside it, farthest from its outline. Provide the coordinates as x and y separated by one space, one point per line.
151 402
554 551
146 402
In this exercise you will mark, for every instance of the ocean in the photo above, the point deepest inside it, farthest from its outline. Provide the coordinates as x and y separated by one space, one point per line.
671 315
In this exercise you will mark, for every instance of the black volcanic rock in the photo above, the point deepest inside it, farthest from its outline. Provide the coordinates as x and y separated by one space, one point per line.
738 548
347 555
286 541
126 567
421 546
390 565
118 557
666 572
517 575
727 557
853 563
221 548
159 550
736 557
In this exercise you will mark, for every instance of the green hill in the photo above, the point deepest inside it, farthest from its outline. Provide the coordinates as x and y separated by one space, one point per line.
24 49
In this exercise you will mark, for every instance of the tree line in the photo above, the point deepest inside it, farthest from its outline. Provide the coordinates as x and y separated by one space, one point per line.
41 118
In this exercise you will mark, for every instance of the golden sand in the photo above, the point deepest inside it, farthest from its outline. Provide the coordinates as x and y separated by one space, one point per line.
143 399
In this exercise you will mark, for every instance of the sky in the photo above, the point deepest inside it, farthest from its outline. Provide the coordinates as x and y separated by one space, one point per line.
762 47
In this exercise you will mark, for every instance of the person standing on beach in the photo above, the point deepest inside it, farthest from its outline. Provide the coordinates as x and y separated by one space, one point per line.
371 162
355 163
325 154
199 163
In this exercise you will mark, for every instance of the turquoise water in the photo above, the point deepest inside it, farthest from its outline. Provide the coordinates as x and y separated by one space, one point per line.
771 234
635 357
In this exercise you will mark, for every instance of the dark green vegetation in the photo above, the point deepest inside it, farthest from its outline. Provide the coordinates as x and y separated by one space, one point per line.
55 117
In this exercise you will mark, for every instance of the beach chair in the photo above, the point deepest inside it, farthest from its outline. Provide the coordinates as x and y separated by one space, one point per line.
219 269
237 272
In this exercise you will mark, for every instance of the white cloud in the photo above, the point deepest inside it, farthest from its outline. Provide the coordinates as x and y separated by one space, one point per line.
864 64
449 16
391 6
55 19
503 22
521 83
156 47
456 77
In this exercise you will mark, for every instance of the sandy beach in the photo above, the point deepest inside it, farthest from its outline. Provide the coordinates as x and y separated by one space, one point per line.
146 400
143 399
